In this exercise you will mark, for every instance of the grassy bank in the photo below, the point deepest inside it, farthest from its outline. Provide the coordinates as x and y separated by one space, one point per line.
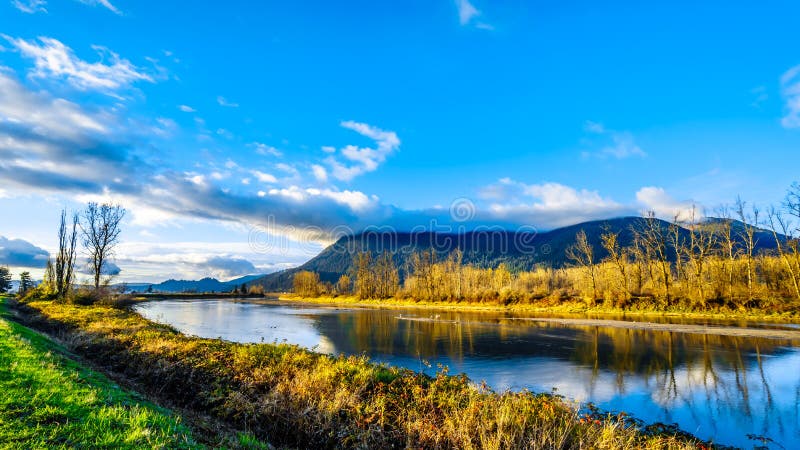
571 307
48 400
297 398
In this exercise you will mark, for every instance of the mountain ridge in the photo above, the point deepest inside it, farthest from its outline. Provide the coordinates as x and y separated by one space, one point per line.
519 250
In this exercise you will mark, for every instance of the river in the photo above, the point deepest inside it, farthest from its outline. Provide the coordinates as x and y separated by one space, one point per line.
740 391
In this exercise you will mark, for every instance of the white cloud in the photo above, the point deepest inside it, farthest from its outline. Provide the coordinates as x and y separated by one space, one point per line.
264 177
623 146
615 144
468 14
656 199
594 127
227 266
30 6
319 173
44 115
143 261
759 96
264 149
790 89
466 11
104 3
54 59
226 103
355 200
224 133
186 108
286 168
363 159
547 204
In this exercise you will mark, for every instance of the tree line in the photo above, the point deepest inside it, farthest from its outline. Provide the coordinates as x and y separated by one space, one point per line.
688 261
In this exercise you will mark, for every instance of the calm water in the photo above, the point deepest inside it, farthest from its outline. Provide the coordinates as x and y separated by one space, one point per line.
714 386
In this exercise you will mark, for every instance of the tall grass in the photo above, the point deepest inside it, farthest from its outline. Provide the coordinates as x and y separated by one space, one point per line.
296 398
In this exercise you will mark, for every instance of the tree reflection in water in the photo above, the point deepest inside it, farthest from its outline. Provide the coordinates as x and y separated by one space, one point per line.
724 387
703 382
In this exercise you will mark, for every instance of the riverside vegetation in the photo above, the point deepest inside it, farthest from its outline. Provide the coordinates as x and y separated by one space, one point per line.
689 265
297 398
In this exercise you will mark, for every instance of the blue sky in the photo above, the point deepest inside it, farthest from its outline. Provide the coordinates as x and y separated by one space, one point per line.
241 137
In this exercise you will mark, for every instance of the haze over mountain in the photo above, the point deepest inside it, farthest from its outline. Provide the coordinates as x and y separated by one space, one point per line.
207 284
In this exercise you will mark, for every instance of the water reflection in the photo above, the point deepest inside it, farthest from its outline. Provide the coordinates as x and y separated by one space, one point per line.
715 386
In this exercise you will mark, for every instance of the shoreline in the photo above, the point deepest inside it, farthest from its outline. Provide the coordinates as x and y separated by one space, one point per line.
570 309
337 401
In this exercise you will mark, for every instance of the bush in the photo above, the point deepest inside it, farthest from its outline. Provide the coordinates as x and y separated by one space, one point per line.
39 293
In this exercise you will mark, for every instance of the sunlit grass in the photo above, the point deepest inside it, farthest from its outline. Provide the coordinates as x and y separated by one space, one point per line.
297 398
50 401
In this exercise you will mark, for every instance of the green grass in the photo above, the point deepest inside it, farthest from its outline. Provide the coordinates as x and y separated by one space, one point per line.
50 401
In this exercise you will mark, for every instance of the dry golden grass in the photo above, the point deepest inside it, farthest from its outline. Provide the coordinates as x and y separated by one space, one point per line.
296 398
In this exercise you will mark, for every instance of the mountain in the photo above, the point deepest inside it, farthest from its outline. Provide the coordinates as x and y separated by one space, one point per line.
519 250
203 285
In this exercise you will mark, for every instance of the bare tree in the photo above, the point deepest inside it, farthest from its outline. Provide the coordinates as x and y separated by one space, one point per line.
790 252
654 237
65 259
678 244
100 230
582 254
641 259
364 276
729 245
617 255
747 237
787 246
385 275
702 241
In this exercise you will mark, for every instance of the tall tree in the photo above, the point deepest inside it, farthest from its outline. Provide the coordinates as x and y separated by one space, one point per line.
65 259
365 285
787 246
728 245
25 282
306 283
100 229
385 275
343 285
5 280
748 238
702 242
581 253
654 238
617 255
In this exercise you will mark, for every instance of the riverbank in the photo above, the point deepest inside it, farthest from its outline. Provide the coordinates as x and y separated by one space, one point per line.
297 398
49 400
566 308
